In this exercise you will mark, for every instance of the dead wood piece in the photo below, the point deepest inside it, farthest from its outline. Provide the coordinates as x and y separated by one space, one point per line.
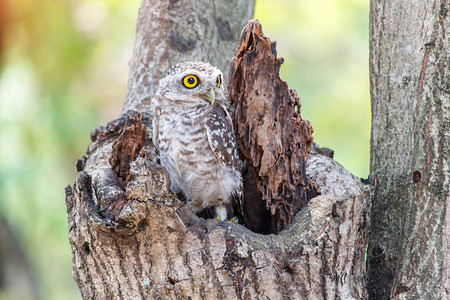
271 134
108 159
158 249
127 147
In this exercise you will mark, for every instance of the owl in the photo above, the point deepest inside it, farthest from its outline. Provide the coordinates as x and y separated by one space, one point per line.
193 133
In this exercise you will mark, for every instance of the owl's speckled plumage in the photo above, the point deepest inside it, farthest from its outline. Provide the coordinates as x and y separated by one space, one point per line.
194 135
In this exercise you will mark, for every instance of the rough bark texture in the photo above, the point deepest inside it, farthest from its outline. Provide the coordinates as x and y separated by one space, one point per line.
169 32
272 136
132 239
410 71
156 248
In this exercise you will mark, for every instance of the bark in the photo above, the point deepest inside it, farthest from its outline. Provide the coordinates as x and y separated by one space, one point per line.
409 73
272 136
156 248
132 239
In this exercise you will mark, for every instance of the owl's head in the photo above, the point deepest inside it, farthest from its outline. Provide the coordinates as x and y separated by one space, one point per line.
193 82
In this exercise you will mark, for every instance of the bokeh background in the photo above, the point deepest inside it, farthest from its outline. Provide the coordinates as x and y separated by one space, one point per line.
63 72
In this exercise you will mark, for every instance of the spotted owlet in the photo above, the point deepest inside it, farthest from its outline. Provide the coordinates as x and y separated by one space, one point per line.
194 135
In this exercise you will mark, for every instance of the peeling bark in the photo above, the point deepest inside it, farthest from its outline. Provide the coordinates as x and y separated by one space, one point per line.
272 136
127 147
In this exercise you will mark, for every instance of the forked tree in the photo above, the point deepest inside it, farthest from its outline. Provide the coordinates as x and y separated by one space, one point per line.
304 233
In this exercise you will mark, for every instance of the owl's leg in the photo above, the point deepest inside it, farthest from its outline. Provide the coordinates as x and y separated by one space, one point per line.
221 212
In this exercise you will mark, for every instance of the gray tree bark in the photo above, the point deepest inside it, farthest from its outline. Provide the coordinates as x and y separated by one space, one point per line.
132 239
410 153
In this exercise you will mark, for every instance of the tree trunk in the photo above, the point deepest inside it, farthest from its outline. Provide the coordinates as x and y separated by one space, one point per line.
132 239
157 249
410 153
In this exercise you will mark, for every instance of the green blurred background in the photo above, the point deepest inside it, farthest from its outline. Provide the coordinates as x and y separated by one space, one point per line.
63 72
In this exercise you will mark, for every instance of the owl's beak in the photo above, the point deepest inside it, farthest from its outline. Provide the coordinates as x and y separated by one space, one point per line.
211 96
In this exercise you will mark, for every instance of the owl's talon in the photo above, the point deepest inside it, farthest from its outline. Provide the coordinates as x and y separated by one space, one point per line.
234 220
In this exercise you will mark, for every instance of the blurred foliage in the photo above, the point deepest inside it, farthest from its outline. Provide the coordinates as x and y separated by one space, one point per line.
64 66
64 72
326 49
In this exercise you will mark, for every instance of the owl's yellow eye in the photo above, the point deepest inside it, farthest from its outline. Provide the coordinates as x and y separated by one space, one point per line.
219 81
190 81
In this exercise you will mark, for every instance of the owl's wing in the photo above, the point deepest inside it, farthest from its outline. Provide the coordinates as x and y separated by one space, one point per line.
222 142
221 137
